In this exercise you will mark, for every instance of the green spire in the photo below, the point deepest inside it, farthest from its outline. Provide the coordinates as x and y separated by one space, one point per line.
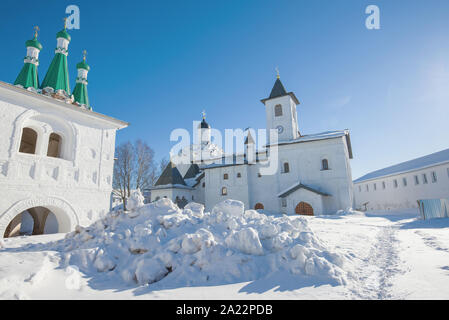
80 91
57 76
28 77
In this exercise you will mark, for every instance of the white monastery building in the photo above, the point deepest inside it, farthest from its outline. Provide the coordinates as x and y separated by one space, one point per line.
313 173
402 185
56 154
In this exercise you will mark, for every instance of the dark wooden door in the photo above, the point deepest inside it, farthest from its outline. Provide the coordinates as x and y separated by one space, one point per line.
305 209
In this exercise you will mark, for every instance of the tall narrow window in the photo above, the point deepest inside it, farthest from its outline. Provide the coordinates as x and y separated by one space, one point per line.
239 175
395 183
224 191
54 146
383 185
324 164
434 177
375 186
278 110
360 189
286 167
404 181
424 178
416 180
28 141
367 188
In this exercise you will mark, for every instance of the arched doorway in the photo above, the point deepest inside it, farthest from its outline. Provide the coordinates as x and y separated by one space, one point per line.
33 221
305 209
47 215
259 206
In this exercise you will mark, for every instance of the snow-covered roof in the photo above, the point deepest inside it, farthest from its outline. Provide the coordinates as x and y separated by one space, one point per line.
170 186
297 186
322 136
411 165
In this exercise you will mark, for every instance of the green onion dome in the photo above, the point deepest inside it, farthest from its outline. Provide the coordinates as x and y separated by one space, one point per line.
63 34
83 65
34 43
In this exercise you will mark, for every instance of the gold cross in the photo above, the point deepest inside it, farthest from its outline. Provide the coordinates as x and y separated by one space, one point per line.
84 55
204 115
36 30
277 73
65 23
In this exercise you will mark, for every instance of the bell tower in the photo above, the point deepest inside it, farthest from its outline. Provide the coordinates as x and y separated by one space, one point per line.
281 115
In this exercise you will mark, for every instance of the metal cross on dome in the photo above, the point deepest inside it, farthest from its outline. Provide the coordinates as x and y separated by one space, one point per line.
277 73
84 55
203 114
36 31
65 23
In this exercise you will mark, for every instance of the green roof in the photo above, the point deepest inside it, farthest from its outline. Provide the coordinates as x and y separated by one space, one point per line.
80 94
83 65
28 76
57 76
63 34
33 43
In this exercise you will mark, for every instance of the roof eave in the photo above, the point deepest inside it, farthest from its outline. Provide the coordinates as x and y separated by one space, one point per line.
92 114
291 94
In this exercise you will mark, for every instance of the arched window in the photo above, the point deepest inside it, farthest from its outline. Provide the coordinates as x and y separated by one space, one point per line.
28 141
225 176
324 164
259 206
278 110
286 167
239 175
224 191
54 146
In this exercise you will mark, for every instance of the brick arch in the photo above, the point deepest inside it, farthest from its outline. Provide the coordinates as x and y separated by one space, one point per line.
305 209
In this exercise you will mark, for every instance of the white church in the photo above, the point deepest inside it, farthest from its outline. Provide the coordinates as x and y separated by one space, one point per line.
56 154
313 175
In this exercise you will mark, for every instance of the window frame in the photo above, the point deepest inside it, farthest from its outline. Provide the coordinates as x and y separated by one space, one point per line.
278 108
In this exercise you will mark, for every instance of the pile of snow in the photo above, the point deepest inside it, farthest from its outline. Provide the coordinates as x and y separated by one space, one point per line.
159 242
349 211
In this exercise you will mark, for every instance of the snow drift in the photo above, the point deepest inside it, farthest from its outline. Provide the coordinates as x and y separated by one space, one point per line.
160 243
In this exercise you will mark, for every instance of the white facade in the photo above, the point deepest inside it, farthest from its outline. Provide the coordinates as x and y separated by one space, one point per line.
71 176
312 169
401 186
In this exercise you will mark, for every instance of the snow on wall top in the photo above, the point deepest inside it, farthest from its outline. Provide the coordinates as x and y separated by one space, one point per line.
411 165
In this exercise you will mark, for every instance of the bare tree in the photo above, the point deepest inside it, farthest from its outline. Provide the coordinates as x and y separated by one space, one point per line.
134 168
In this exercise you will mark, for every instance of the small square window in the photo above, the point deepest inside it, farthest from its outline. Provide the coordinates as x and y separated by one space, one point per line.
225 176
259 175
239 175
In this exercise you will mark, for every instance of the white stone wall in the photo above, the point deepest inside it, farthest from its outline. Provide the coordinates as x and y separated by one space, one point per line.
304 161
76 187
403 197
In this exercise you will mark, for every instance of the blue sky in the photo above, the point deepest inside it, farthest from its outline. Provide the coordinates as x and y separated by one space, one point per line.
158 64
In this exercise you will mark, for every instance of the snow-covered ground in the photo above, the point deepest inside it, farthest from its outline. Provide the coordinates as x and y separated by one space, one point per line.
232 254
